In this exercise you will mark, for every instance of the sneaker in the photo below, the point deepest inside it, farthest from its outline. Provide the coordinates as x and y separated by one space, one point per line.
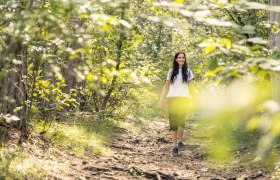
175 151
181 146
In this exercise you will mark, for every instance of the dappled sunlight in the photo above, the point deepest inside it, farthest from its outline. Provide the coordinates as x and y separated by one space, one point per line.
32 163
33 166
78 139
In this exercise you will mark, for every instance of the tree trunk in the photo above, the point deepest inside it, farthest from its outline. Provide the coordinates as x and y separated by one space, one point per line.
69 73
14 90
274 38
24 96
274 44
13 87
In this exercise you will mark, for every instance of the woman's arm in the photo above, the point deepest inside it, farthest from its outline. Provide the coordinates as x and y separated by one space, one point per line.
164 91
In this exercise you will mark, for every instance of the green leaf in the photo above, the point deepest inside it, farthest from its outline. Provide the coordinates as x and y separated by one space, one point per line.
248 29
253 123
81 16
213 65
254 69
262 73
225 79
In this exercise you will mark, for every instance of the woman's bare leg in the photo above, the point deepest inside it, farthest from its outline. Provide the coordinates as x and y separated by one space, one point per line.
180 134
174 137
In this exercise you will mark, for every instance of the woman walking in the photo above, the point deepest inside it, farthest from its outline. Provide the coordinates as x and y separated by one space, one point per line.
177 91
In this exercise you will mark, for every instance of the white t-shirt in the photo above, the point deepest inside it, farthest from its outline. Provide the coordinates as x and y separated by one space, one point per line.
179 88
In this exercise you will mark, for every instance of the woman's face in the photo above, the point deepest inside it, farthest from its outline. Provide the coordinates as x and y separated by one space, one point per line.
180 59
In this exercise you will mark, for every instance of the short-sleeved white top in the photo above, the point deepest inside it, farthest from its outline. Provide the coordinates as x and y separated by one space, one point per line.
179 88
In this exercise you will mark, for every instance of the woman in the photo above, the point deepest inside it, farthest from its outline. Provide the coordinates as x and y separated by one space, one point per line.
177 90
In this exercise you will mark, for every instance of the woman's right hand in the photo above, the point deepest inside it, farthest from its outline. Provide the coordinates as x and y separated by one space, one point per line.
165 89
161 104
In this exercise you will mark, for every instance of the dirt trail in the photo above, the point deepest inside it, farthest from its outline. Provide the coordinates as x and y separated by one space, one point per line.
148 156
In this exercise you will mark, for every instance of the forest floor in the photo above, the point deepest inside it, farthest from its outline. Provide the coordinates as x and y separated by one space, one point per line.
144 154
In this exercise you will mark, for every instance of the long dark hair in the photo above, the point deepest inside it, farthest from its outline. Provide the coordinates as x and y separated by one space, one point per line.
175 69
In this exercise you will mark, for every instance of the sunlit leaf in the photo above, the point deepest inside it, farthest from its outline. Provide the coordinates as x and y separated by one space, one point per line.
179 1
17 109
89 77
186 13
126 24
10 118
217 22
209 49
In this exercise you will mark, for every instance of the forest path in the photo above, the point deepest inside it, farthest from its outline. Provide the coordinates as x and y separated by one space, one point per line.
147 155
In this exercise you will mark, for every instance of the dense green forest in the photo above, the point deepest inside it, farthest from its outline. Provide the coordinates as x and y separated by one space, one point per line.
96 62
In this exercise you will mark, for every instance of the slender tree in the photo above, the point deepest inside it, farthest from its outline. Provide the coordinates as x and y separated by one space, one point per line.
274 43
